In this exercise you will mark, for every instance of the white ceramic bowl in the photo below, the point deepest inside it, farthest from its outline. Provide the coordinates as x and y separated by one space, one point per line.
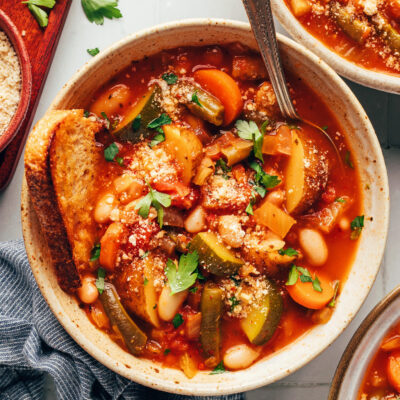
363 347
372 79
372 170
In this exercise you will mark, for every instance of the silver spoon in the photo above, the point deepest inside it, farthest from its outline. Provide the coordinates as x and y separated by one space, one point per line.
262 24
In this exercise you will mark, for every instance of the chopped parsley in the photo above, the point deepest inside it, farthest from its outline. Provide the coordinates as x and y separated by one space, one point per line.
347 160
95 252
167 351
119 161
136 123
101 274
40 15
170 78
340 200
177 321
159 138
249 208
234 302
219 369
156 199
304 275
106 120
325 127
157 123
185 276
93 52
96 10
193 289
356 227
288 252
195 99
146 281
110 152
236 281
144 255
86 114
332 303
155 306
221 165
249 131
262 178
264 126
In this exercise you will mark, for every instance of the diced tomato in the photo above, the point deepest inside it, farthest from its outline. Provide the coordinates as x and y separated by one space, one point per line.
329 195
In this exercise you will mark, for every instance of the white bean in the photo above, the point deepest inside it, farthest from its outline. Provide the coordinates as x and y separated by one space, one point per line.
344 224
314 246
230 230
196 220
103 208
276 197
169 304
240 356
88 292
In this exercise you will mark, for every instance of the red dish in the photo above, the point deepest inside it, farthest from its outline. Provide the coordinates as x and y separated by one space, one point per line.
16 40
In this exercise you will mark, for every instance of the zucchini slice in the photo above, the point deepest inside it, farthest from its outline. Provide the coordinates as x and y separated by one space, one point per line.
148 108
210 330
262 321
134 338
214 256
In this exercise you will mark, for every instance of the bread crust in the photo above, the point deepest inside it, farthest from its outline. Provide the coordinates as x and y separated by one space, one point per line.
44 200
45 196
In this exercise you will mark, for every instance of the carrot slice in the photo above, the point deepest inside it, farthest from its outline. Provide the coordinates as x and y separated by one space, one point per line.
304 293
393 369
224 88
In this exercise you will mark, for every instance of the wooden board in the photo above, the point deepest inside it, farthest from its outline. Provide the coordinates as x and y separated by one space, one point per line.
41 45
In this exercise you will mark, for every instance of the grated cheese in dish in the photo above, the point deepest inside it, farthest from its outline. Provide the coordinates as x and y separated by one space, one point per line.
10 82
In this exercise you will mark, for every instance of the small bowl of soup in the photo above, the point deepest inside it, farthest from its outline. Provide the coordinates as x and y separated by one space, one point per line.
359 39
369 368
229 245
15 80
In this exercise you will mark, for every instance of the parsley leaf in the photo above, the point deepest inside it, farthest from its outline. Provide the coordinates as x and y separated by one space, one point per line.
219 369
136 123
262 178
177 321
356 227
39 14
159 138
119 161
167 351
156 199
249 208
163 119
185 276
347 160
144 255
332 303
340 200
95 252
195 99
221 165
305 277
193 289
288 252
41 3
146 281
106 120
249 131
96 10
101 274
93 52
234 302
170 78
86 114
111 151
236 280
325 127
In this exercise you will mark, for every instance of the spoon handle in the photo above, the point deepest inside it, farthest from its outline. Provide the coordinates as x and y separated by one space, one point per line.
262 24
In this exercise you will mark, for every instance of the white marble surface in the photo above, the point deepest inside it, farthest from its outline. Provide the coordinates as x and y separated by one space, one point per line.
311 382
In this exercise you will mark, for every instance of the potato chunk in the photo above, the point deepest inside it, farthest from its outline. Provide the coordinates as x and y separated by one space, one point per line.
300 7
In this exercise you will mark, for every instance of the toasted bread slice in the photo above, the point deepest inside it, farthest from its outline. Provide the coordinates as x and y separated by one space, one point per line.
60 165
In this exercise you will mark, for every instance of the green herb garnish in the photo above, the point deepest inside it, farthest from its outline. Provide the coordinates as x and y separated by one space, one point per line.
40 15
170 78
177 321
219 369
332 303
221 165
110 152
101 274
340 200
234 302
157 123
86 114
347 160
156 199
262 178
95 252
288 252
96 10
249 131
93 52
195 99
136 123
185 276
356 227
193 289
144 255
167 351
304 274
146 281
159 138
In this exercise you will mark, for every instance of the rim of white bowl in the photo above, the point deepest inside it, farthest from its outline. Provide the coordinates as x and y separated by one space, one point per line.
372 79
244 380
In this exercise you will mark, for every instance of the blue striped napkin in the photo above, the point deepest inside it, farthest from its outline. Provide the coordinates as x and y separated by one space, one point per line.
32 343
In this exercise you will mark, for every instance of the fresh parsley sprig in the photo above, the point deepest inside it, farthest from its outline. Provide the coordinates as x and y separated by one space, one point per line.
158 122
96 10
156 199
40 15
195 99
221 168
262 178
249 131
95 252
219 369
177 321
93 52
101 274
170 78
185 276
288 252
356 226
304 275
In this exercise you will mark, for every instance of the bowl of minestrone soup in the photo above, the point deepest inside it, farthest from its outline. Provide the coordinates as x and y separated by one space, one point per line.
245 243
359 39
369 368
